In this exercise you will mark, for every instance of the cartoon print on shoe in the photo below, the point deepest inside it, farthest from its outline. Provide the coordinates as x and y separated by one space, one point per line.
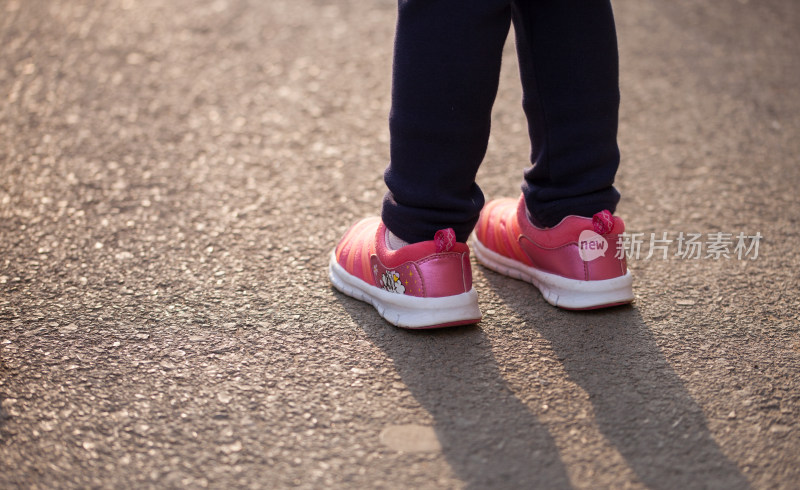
390 281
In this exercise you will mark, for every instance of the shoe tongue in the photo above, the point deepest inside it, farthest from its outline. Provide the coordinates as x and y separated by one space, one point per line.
603 222
445 240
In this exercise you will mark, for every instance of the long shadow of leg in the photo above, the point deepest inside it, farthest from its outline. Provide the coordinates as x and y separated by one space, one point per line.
488 436
640 404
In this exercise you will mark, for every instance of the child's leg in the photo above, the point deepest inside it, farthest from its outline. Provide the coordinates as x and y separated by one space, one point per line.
569 69
570 75
446 72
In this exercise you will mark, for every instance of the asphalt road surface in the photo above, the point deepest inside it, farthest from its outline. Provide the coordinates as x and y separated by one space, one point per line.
173 176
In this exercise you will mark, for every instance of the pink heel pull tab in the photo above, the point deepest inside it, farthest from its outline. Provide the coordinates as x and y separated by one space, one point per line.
445 240
603 222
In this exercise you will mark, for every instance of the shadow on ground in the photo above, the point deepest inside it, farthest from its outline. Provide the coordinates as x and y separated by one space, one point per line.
491 439
488 435
640 404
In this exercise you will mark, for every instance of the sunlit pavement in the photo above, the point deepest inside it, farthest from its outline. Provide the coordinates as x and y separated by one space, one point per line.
173 176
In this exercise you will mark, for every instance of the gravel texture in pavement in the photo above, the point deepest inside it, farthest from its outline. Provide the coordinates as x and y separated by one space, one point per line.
173 176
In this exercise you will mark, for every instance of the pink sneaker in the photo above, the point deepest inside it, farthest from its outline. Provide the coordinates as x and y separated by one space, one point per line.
573 264
422 285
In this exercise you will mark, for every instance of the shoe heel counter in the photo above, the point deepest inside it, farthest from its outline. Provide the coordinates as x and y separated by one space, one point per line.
607 266
446 274
466 271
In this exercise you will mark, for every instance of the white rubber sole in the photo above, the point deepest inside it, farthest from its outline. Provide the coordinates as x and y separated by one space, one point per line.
408 311
571 294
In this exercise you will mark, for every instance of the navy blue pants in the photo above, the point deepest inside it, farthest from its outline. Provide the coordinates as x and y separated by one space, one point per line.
445 76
